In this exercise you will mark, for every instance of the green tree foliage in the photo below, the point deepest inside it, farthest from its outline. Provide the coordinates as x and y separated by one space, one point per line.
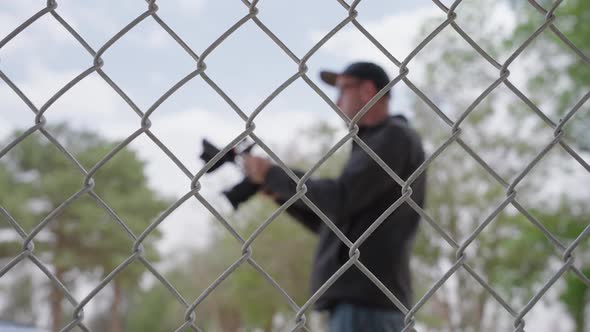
83 238
462 194
558 60
563 76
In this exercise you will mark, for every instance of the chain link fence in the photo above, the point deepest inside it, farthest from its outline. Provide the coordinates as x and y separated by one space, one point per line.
251 11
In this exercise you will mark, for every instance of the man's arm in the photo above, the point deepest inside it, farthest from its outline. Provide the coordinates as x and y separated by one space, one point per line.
298 209
303 214
362 182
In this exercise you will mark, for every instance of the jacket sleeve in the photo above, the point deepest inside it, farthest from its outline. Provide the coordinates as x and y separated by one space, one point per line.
304 215
299 210
360 184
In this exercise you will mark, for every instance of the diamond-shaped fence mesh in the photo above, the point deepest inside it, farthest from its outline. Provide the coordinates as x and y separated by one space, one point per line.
250 14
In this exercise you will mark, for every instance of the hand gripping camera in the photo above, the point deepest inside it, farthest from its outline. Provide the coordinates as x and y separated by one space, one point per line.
242 191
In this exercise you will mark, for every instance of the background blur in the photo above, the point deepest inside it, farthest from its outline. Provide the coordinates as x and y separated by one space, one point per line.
191 247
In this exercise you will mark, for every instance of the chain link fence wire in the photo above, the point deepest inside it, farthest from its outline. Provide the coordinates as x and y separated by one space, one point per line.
251 11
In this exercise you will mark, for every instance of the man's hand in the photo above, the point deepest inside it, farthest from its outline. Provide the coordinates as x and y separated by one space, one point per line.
256 168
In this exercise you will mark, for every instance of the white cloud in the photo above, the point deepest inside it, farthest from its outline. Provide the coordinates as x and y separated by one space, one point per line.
96 24
401 33
43 34
189 5
158 38
4 129
7 24
397 33
149 35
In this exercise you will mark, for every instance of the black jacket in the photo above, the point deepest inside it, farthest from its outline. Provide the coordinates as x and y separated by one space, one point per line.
353 201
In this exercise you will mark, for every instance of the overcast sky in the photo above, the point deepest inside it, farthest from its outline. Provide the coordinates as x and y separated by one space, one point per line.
146 62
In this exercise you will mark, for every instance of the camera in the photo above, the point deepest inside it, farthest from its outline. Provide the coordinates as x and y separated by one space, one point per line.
242 191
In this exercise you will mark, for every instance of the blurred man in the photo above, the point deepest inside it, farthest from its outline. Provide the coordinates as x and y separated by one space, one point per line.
353 201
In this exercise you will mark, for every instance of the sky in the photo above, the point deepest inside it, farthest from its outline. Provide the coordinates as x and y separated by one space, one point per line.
248 66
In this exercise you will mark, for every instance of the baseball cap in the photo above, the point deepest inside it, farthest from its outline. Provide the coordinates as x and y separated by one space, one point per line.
361 70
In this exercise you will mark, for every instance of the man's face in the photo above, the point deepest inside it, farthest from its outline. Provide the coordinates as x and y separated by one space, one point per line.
350 97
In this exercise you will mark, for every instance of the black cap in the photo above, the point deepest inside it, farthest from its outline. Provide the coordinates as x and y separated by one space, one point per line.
361 70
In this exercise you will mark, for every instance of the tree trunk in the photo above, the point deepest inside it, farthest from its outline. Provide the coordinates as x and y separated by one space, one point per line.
480 308
229 319
579 319
56 298
116 317
268 326
446 308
